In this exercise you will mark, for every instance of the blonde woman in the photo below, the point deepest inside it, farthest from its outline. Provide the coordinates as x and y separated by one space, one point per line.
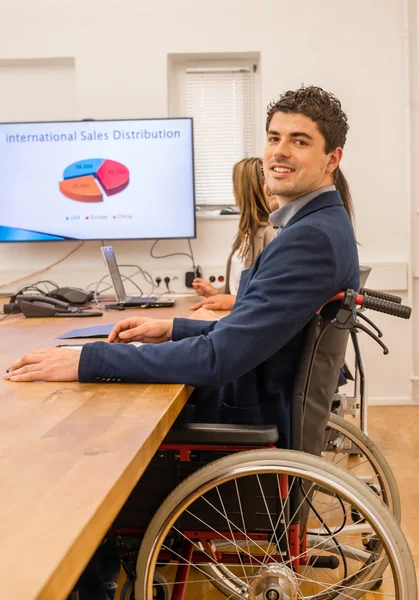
255 232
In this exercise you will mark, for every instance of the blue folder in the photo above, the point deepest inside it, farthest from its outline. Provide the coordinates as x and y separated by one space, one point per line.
98 331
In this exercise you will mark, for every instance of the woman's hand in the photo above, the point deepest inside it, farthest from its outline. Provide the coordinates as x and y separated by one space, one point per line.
218 302
142 329
204 288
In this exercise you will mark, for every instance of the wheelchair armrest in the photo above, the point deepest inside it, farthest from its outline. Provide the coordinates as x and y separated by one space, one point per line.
218 434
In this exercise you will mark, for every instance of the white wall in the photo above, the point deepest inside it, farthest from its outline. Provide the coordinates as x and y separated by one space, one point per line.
355 49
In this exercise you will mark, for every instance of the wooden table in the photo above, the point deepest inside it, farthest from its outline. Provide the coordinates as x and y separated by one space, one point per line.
70 454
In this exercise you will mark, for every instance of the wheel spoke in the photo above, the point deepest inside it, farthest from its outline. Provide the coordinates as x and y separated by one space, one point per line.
221 534
231 532
243 519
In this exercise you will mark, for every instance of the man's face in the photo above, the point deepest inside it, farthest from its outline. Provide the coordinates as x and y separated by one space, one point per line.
294 161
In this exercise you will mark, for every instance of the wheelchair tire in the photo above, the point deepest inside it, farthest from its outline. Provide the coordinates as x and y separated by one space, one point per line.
160 591
383 481
127 591
303 469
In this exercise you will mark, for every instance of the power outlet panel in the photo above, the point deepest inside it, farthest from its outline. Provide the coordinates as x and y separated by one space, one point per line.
177 280
176 283
215 274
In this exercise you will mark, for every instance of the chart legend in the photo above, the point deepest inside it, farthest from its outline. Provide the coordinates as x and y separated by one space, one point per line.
87 180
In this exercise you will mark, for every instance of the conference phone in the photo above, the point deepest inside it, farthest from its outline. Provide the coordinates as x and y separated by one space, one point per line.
36 305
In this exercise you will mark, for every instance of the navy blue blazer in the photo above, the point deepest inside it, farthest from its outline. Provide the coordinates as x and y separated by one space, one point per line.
243 366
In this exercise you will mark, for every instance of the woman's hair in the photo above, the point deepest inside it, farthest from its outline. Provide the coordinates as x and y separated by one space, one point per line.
342 187
250 198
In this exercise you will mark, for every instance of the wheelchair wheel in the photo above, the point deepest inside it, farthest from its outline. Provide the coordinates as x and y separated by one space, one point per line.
160 588
250 503
349 448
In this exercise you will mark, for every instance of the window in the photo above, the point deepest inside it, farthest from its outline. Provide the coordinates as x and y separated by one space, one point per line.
220 98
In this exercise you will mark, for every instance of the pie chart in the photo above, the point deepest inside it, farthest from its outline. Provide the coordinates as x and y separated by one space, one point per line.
88 179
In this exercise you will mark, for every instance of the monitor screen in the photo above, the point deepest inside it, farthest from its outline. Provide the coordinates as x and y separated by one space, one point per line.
97 180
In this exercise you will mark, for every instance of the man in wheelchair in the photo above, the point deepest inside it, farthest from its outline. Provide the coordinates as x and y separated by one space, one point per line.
244 367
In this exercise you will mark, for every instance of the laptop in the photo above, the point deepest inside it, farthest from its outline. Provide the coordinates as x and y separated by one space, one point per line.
121 296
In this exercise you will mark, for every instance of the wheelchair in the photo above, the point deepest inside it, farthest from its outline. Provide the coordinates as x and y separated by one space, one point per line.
221 512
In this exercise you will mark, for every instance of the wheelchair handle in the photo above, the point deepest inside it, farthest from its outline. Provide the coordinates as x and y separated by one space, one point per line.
385 306
382 295
377 304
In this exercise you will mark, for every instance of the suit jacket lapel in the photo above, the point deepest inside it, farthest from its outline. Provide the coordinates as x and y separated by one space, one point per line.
322 201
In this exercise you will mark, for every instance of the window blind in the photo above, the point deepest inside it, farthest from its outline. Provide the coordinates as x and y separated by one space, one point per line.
220 102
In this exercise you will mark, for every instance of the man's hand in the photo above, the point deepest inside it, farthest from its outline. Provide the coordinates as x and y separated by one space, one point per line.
218 302
204 288
49 364
142 329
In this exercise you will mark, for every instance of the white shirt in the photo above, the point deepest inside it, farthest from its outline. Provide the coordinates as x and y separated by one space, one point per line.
236 268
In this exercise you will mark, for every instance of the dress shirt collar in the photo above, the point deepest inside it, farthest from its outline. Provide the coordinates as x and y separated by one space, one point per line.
281 216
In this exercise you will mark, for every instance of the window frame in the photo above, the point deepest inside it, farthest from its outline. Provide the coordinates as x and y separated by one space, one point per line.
177 66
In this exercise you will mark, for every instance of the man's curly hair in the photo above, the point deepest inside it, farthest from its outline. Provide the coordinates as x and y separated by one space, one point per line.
321 107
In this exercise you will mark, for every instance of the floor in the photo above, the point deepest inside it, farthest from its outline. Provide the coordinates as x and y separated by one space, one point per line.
394 429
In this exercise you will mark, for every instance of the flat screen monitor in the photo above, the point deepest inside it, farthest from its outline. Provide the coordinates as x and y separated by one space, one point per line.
97 180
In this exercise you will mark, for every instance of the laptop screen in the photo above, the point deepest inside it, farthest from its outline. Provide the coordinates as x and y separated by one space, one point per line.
110 260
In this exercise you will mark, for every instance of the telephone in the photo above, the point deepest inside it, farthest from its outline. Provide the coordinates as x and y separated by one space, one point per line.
43 306
72 295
